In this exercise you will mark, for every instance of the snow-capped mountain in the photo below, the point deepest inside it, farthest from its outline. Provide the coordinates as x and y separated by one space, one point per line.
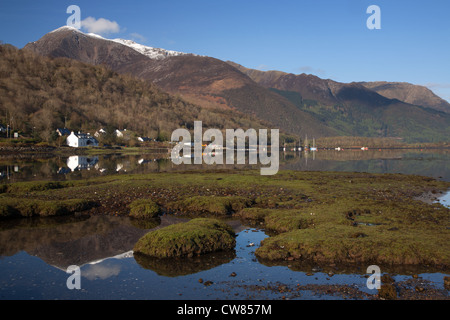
150 52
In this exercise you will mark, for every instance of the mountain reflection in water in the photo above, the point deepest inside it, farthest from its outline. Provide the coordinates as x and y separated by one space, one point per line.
83 240
432 163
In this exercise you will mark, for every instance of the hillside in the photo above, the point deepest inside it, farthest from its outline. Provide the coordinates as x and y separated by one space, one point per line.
205 81
39 94
298 104
409 93
355 110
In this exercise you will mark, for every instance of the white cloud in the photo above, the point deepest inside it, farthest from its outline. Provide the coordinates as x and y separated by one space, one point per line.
262 67
437 85
98 271
440 89
138 37
100 26
311 70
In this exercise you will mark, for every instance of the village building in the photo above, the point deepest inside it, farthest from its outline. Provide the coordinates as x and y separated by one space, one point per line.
120 133
63 132
78 140
100 132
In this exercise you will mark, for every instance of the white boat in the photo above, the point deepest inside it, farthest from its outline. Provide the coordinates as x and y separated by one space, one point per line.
314 148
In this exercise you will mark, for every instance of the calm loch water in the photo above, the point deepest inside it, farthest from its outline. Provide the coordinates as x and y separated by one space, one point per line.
432 163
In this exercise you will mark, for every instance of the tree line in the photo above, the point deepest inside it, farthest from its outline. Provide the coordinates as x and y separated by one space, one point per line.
39 94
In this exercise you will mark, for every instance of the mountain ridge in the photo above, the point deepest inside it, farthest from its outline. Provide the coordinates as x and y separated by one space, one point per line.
150 52
39 94
420 95
298 104
206 81
409 93
355 109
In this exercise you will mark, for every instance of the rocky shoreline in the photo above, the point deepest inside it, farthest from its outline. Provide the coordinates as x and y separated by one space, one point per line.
26 149
413 288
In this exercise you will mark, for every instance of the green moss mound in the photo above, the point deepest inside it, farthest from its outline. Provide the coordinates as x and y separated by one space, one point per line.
144 209
326 217
193 238
36 186
287 220
210 205
15 207
254 214
277 220
337 244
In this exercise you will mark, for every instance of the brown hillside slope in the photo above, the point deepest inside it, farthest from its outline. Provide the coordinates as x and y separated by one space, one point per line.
206 81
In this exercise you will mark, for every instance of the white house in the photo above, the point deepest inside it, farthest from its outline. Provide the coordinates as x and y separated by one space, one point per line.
100 132
119 134
63 132
79 139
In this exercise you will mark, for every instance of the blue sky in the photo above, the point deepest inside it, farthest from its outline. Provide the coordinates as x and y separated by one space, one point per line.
328 38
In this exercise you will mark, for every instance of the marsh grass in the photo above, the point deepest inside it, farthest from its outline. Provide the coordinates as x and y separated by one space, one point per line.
321 217
210 205
17 207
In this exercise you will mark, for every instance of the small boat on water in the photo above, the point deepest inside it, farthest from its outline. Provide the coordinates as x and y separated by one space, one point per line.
313 148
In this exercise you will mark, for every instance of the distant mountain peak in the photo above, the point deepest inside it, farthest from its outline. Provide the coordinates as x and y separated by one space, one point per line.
66 28
150 52
409 93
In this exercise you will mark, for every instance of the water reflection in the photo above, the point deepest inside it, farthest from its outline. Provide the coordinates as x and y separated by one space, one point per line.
65 241
100 271
109 271
433 163
339 268
81 162
89 240
102 244
180 267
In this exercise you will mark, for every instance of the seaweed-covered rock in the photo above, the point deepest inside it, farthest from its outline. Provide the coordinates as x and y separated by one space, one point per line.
387 292
144 209
387 279
196 237
447 283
